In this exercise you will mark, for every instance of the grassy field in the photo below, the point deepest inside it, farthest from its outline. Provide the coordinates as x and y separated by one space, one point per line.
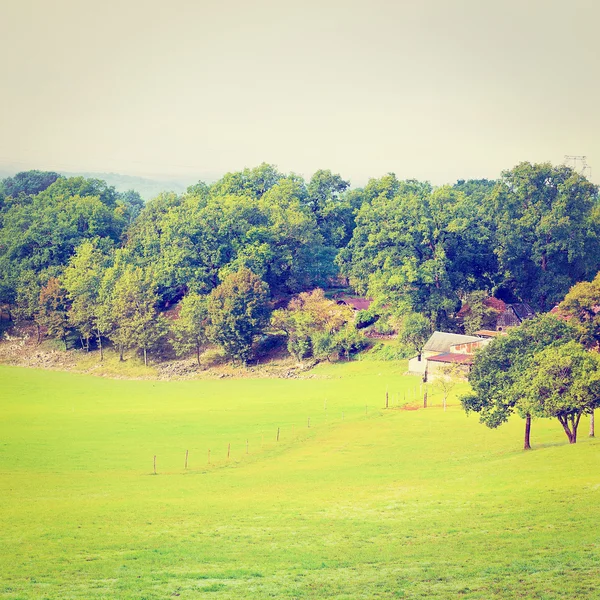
366 503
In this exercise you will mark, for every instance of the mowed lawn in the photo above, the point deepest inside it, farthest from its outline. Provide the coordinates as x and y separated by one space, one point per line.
366 503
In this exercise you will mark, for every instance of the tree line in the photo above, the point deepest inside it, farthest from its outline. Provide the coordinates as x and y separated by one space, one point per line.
77 256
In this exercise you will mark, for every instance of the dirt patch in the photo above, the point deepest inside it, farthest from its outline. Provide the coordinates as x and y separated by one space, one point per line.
19 347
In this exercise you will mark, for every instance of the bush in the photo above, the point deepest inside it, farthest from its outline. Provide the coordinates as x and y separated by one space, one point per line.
213 357
364 318
385 352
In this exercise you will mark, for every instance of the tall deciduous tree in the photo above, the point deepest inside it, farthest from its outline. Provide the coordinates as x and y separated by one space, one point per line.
415 331
547 231
497 374
238 311
190 329
83 281
563 382
138 323
419 250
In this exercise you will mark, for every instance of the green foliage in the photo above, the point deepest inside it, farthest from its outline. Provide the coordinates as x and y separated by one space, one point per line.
478 315
238 311
389 352
415 331
349 340
82 280
562 381
28 183
189 330
323 345
308 314
418 249
547 231
137 323
581 307
364 318
497 375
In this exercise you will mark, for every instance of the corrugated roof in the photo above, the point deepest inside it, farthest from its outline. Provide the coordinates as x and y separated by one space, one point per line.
441 341
453 357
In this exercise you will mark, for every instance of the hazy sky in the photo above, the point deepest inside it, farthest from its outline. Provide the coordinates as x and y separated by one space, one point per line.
431 89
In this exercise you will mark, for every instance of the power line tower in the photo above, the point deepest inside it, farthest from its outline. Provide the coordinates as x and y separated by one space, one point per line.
579 164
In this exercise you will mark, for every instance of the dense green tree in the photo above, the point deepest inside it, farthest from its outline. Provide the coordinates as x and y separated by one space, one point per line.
190 328
498 372
562 381
130 204
28 183
418 252
137 324
40 233
238 311
249 182
349 340
547 231
83 281
68 187
415 331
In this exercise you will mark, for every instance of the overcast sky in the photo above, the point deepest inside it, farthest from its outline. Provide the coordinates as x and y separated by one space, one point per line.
430 89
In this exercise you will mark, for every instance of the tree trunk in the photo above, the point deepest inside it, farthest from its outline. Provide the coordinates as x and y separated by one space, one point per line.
65 341
527 444
100 345
592 433
198 355
444 403
145 357
121 352
39 333
570 425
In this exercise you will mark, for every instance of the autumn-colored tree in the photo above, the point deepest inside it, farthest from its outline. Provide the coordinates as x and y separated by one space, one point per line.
54 309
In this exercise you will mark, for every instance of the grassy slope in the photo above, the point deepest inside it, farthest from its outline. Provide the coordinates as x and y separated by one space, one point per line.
387 504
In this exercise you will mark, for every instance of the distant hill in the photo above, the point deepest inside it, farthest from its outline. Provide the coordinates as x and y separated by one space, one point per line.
147 188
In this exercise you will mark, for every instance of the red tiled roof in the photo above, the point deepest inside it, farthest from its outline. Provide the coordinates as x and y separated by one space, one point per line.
495 303
453 357
356 303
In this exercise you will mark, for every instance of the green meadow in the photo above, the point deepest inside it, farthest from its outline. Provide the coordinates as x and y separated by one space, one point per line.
364 503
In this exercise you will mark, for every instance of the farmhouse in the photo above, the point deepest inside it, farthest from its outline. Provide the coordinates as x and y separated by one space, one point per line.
444 349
